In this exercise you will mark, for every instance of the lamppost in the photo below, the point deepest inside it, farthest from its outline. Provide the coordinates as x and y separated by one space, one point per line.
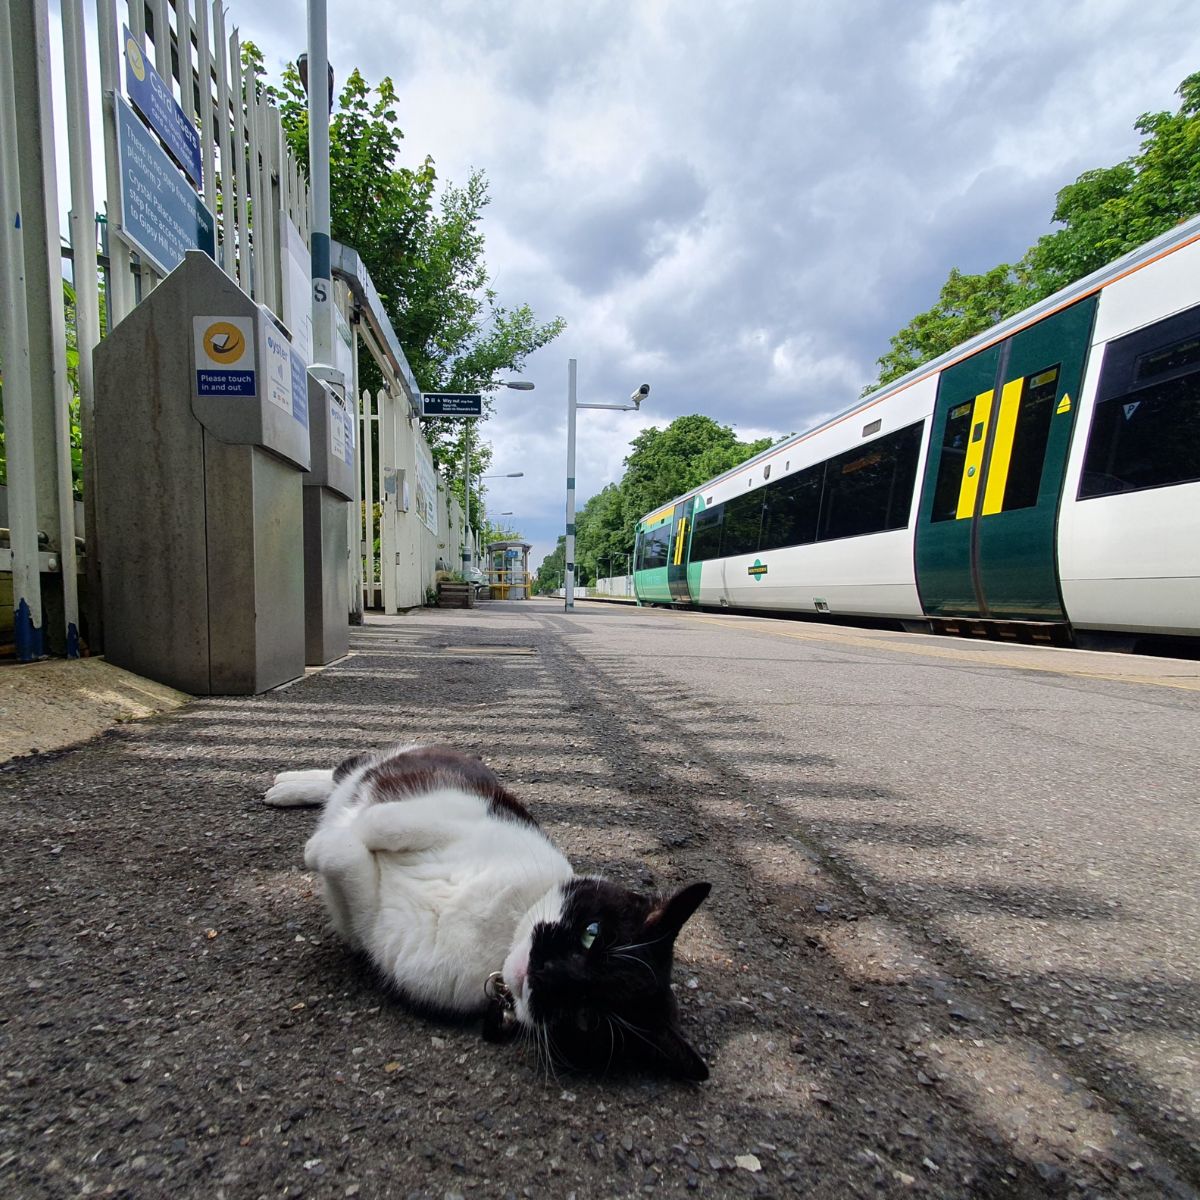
517 385
635 402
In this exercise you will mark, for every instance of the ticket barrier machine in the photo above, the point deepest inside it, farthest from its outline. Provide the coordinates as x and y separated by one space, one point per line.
328 490
202 445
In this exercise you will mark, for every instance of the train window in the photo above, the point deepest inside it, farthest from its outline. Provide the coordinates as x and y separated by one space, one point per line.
791 509
654 547
743 517
952 462
706 534
870 489
1146 428
1039 392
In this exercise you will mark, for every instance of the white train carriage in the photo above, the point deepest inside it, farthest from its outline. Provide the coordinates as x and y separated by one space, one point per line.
1044 474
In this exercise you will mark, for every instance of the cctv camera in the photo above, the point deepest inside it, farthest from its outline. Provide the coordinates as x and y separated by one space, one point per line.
641 393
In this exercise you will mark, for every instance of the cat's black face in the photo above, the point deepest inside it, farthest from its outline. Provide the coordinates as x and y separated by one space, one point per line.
599 982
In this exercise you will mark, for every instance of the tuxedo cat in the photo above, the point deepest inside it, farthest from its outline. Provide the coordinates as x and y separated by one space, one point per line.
440 875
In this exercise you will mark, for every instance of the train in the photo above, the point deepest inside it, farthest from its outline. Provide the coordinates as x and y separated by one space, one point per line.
1040 481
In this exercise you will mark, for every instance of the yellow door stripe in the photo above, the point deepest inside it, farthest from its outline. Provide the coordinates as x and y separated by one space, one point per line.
679 541
974 457
1006 426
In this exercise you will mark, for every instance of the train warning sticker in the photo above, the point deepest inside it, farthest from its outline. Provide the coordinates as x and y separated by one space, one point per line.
224 354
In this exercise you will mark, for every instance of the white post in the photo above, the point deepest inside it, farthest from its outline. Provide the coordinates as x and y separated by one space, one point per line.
119 298
387 406
368 477
183 46
247 255
18 387
318 174
228 216
356 516
204 67
87 291
162 39
52 393
569 556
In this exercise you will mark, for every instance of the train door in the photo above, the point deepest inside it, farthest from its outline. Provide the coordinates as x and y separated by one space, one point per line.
989 504
677 555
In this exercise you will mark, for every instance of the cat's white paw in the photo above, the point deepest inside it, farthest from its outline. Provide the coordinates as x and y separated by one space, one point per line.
298 789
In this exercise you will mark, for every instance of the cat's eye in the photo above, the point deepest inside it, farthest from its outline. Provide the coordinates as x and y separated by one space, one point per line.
590 934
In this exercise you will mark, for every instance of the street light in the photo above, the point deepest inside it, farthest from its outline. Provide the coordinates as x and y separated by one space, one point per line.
635 402
517 385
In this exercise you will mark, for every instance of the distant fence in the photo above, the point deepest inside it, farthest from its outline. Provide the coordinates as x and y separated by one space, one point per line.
613 587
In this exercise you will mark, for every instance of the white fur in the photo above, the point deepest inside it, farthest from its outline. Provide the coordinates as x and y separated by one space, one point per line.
434 888
548 909
294 789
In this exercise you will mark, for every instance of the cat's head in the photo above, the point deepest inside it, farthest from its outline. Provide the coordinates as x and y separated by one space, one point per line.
591 974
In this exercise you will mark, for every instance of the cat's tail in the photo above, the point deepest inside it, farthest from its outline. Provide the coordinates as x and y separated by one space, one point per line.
300 789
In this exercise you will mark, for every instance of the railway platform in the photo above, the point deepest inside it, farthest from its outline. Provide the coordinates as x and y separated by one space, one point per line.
952 948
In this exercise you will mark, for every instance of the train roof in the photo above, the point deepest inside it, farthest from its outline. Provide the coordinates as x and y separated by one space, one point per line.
1182 235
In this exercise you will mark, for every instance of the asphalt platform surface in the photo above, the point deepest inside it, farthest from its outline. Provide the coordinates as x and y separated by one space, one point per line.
953 945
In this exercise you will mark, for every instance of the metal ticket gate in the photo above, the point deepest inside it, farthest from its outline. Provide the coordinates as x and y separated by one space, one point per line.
202 444
328 490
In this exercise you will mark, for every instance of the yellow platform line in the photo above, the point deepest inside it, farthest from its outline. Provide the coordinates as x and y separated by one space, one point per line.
990 660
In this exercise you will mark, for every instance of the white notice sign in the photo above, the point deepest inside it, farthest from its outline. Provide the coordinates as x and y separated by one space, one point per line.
337 430
276 365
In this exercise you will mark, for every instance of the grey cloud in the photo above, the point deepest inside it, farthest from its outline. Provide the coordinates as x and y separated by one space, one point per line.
601 240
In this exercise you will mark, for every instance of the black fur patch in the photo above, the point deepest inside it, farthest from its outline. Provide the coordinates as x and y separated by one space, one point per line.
417 772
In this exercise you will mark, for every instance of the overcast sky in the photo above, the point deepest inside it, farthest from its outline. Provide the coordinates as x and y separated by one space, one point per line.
739 201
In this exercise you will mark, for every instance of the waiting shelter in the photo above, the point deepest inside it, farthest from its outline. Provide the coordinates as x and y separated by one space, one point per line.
508 570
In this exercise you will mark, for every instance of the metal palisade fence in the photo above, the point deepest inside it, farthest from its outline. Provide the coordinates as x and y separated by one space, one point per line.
194 158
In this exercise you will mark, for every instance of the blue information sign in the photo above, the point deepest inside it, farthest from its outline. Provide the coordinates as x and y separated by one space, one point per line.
452 404
160 214
153 99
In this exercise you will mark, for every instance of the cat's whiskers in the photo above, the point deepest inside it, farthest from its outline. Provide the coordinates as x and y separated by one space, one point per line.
551 1054
612 1041
641 945
631 958
640 1034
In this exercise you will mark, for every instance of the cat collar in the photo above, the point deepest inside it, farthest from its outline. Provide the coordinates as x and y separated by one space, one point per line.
500 1021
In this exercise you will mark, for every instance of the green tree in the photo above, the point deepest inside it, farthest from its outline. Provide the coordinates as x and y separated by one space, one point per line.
1105 213
424 249
967 305
662 463
551 574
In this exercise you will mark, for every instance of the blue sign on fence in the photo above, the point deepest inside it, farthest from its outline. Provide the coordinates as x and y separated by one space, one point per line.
152 98
160 214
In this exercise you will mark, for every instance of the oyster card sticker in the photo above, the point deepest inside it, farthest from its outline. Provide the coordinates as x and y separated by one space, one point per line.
224 356
277 368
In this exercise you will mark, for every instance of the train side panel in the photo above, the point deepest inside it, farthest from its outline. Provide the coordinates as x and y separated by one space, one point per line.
1129 527
867 575
862 577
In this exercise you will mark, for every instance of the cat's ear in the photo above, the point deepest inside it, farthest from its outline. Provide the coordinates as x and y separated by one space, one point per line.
678 1057
672 914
